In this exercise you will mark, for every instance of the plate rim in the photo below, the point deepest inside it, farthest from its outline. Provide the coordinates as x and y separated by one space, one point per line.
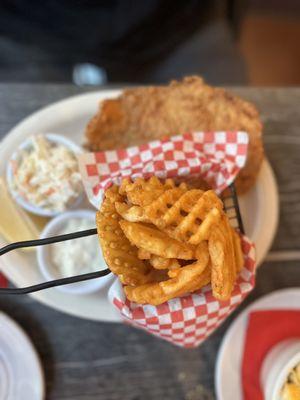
15 135
273 208
14 131
234 324
12 324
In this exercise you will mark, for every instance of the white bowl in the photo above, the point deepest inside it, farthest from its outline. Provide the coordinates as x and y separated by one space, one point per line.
277 365
49 271
16 156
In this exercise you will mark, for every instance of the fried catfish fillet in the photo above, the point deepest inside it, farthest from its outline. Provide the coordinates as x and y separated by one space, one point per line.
148 113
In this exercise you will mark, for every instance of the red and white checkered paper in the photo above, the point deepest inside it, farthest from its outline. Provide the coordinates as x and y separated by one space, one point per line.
217 158
187 321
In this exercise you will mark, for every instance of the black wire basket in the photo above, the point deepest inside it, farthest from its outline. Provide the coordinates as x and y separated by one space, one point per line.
231 206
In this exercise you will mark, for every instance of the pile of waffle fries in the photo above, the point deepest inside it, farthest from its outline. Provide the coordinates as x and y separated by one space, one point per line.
165 240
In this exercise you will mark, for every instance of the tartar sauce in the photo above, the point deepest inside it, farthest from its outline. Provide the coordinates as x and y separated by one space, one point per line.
47 175
77 256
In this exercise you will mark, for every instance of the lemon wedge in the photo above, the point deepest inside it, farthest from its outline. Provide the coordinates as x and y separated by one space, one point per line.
16 224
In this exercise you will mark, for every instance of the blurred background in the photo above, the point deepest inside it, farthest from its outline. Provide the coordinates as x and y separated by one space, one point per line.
151 41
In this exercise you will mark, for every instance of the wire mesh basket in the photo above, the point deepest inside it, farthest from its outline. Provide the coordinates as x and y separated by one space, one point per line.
231 206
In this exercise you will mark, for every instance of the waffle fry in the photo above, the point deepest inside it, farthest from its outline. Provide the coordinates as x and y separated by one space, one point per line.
188 279
139 184
221 250
158 208
131 213
119 254
155 241
141 192
165 240
185 215
238 254
164 263
143 254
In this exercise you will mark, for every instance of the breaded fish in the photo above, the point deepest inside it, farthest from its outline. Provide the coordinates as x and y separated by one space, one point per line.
147 113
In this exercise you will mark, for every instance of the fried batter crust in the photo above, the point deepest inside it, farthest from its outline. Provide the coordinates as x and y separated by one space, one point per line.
147 113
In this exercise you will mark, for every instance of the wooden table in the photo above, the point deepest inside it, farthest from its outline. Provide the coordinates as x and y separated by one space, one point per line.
86 360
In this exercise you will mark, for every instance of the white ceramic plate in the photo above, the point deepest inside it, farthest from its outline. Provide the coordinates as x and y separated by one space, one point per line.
69 117
21 375
228 366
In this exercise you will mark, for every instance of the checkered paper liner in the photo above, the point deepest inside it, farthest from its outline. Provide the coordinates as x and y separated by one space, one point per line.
187 321
215 156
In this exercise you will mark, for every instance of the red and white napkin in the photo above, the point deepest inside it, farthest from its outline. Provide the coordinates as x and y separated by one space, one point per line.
217 158
266 328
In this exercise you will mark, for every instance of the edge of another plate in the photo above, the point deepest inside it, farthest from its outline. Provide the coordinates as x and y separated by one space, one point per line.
271 300
35 360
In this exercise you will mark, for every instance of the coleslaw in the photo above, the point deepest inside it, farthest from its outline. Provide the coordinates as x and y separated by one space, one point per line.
47 175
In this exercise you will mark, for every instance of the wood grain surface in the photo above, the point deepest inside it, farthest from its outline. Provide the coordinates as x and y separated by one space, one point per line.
86 360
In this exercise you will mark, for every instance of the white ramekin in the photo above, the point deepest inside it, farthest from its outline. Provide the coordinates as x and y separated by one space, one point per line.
277 365
47 269
16 156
